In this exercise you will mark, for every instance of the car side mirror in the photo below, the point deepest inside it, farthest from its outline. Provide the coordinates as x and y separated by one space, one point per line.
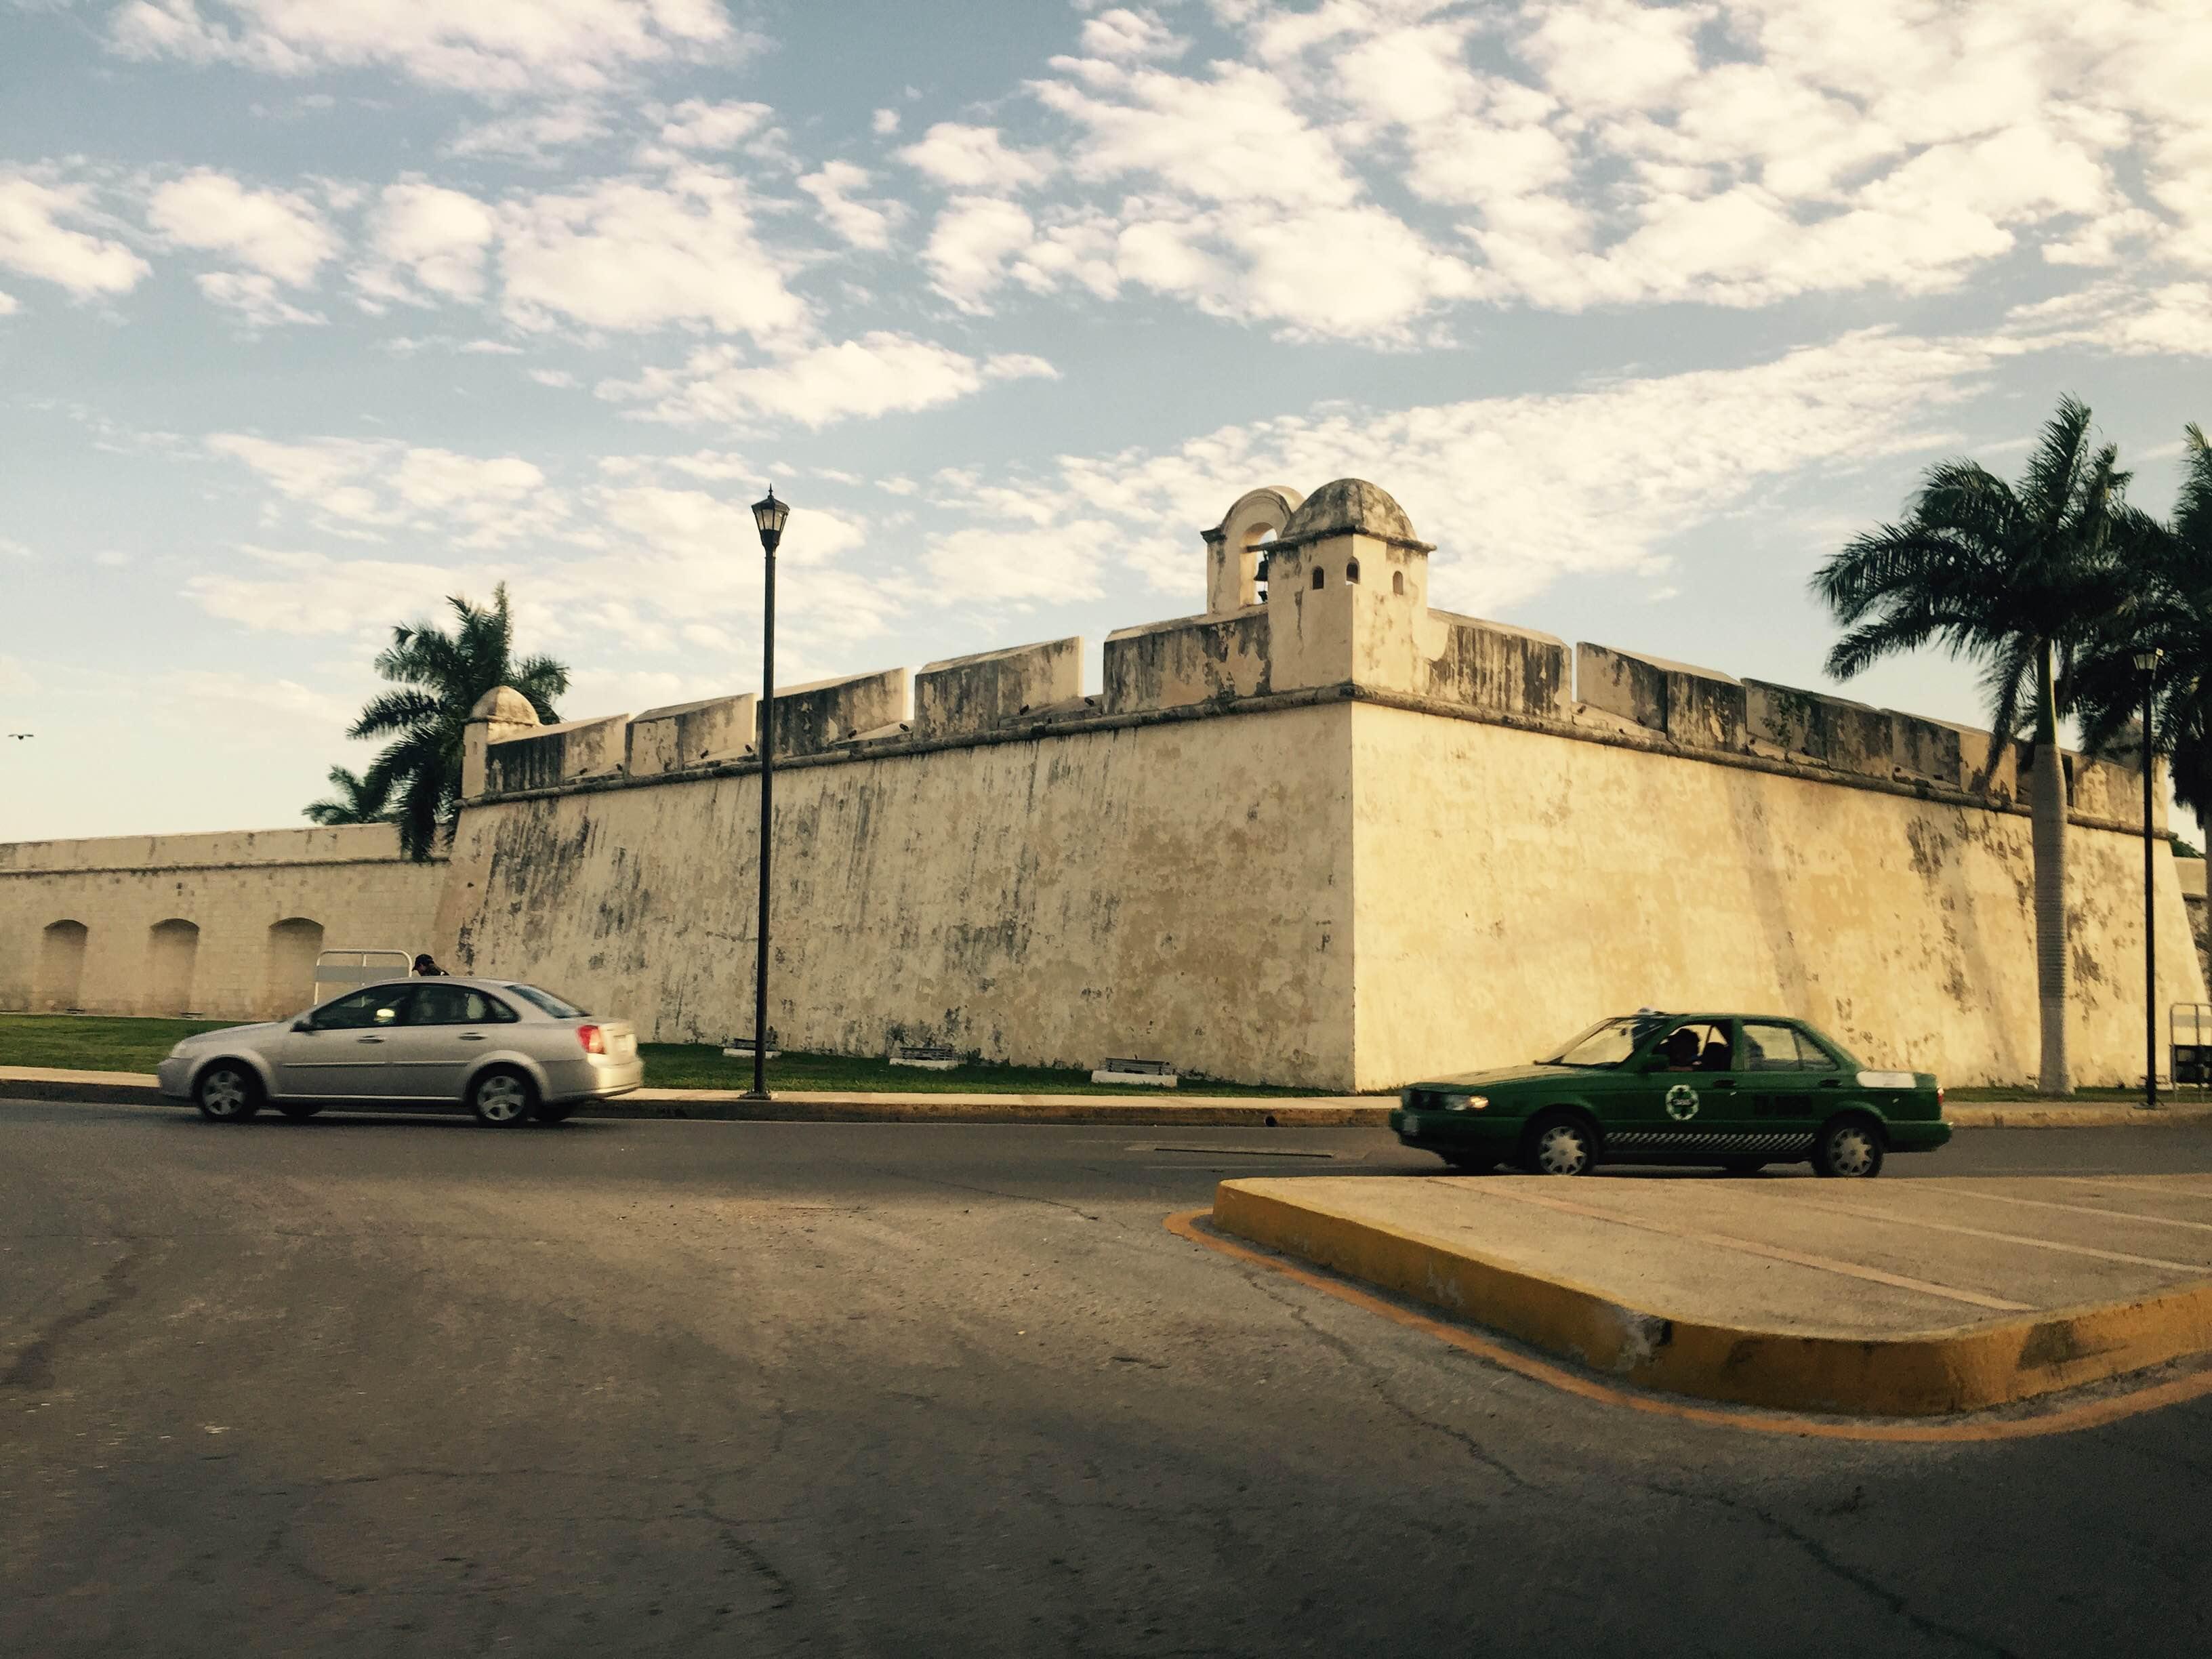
303 1023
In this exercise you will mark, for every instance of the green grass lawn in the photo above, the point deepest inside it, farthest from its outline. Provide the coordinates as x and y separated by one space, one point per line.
89 1043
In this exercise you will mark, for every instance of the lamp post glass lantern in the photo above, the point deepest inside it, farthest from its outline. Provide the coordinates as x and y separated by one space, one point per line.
2146 665
768 516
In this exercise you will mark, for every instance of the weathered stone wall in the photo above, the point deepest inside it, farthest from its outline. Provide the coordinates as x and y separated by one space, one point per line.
1512 887
1174 889
225 926
1322 834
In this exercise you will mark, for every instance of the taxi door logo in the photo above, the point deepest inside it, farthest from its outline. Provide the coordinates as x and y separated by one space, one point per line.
1681 1103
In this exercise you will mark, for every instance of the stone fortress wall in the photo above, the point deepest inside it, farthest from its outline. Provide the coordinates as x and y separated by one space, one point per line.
224 925
1322 834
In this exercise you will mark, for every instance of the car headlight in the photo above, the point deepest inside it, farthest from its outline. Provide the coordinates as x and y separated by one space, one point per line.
1467 1102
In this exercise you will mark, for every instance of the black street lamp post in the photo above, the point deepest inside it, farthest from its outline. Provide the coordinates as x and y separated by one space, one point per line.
768 515
2146 665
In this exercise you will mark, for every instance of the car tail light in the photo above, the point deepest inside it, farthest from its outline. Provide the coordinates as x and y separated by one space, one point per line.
593 1039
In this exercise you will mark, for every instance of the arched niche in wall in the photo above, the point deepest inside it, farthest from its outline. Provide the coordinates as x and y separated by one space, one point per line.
61 965
294 945
173 950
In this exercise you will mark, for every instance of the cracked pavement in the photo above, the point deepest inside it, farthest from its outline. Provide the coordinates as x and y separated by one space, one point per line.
384 1387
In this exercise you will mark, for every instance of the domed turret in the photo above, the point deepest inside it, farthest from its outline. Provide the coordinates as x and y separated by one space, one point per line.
1349 506
506 706
502 712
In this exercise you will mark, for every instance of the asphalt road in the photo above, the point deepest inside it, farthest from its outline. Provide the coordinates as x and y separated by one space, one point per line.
409 1387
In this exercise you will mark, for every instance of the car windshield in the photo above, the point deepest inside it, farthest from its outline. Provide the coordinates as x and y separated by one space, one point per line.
1609 1042
546 1001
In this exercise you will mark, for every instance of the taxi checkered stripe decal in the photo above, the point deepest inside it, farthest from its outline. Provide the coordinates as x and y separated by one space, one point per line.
1768 1141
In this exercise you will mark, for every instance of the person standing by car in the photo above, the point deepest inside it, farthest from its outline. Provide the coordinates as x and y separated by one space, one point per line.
426 968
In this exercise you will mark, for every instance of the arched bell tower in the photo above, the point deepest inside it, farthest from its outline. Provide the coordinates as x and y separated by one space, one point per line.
1235 547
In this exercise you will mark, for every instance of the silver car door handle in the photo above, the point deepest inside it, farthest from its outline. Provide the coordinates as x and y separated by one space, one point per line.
368 1039
472 1036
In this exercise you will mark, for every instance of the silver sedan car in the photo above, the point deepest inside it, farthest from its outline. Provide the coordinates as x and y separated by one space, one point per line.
510 1053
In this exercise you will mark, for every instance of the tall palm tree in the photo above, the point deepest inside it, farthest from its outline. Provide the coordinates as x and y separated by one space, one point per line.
357 800
443 675
2017 578
2169 567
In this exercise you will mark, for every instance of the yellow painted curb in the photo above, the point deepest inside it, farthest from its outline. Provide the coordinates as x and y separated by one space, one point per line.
1966 1368
2000 1114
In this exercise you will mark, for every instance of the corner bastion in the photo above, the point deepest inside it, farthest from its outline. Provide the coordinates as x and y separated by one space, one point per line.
1321 834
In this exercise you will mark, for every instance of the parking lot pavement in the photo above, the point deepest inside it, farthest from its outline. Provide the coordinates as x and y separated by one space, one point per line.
392 1388
1924 1297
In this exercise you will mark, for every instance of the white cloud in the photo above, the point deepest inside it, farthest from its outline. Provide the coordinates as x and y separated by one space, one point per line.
626 255
254 297
1567 153
884 122
1127 35
311 593
969 248
7 304
534 136
863 224
974 158
492 49
877 374
1057 565
558 378
34 241
696 124
365 486
1234 137
1511 489
2174 320
14 550
278 234
436 236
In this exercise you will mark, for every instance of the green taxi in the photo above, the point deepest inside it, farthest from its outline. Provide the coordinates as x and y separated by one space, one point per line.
1741 1090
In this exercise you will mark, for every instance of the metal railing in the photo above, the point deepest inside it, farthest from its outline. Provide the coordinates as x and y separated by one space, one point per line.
2188 1042
337 969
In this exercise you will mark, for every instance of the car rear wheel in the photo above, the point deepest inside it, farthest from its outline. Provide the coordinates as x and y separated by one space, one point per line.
1849 1149
501 1097
228 1092
1559 1143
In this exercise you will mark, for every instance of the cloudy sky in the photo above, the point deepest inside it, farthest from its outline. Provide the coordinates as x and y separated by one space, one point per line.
313 312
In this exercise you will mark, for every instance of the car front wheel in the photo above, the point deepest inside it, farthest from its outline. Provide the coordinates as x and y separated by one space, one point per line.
228 1092
1848 1149
1559 1145
502 1098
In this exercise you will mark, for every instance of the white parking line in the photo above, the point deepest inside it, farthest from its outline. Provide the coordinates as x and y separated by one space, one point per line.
2088 1209
2005 1238
1773 1252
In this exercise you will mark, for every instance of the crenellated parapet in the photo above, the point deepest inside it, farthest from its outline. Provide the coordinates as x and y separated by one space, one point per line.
967 696
1307 596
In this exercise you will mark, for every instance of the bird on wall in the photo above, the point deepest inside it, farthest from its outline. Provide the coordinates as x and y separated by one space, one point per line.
19 736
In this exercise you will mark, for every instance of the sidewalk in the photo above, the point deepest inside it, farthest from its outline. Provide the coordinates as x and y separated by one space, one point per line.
1139 1106
1866 1298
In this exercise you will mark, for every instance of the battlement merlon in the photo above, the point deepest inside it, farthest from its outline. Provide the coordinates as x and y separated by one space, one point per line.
1304 593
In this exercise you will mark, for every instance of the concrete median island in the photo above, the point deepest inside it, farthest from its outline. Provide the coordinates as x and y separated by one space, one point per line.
1896 1298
